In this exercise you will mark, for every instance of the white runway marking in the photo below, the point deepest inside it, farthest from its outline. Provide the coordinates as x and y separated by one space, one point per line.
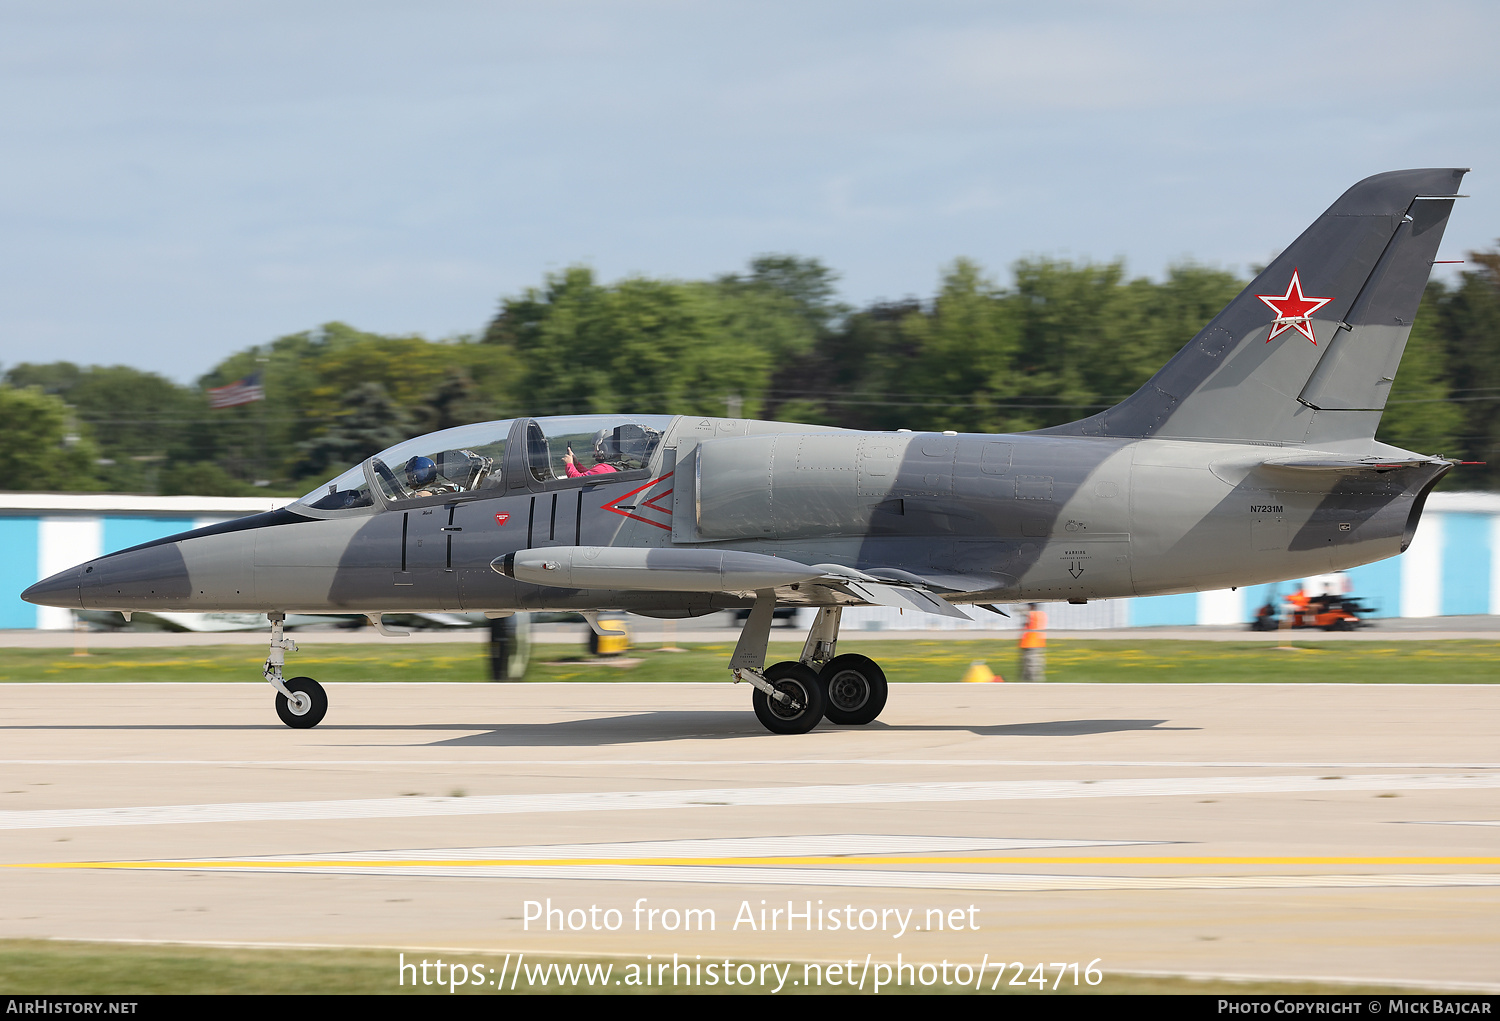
738 875
703 763
720 847
617 801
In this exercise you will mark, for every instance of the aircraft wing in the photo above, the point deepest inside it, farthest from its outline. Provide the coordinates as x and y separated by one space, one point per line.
705 570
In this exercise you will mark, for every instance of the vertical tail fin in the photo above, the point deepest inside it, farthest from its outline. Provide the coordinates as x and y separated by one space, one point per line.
1307 353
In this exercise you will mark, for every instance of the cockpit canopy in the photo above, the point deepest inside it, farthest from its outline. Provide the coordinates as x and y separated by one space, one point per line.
472 458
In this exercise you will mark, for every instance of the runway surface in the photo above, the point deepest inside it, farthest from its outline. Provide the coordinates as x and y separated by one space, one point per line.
1301 831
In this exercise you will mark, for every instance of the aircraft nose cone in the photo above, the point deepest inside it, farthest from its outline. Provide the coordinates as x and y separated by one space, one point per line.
59 590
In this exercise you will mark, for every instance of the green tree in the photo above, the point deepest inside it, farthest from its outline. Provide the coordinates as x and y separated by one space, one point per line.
44 449
648 346
1419 415
1469 321
203 478
810 286
310 379
855 376
139 419
367 421
964 350
1066 340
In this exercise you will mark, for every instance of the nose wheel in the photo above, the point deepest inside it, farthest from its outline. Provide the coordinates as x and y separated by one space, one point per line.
306 706
300 702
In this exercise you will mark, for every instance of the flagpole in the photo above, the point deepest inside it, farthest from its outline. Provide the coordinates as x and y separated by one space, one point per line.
237 394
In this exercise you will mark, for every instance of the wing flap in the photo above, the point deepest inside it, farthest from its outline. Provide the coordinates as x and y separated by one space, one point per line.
904 598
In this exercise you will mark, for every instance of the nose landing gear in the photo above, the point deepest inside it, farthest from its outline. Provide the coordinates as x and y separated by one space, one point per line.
300 702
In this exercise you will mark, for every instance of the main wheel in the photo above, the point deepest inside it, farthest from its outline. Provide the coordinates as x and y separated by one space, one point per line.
309 708
802 685
510 647
854 690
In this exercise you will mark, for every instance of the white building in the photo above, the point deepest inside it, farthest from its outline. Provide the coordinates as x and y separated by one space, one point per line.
1451 567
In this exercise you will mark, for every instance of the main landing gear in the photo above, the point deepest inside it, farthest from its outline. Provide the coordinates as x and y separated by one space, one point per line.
300 702
791 697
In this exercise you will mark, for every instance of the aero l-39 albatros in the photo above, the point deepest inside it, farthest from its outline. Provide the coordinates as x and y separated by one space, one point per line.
1250 457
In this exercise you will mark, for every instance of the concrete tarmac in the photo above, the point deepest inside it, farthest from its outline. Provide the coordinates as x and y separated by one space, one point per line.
1338 832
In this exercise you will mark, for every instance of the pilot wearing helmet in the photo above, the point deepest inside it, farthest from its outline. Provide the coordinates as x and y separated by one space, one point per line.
422 478
606 458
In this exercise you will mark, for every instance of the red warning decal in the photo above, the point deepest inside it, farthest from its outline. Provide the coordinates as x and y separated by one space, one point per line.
502 518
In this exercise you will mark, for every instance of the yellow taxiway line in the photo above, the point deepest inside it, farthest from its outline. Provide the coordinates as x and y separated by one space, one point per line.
820 860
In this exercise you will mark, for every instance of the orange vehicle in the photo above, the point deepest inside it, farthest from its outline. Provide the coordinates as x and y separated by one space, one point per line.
1331 613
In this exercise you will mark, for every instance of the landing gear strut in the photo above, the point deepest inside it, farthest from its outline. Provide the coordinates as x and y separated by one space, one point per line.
300 702
854 688
791 697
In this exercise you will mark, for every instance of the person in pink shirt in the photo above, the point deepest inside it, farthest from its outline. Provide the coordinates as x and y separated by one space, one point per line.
602 467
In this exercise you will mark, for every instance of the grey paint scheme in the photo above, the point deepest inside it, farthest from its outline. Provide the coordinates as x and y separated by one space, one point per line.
1242 461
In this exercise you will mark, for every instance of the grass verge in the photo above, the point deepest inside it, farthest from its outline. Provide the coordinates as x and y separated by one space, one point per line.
44 967
1160 661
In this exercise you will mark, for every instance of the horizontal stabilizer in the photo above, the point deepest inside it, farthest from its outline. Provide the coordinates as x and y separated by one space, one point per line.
1344 464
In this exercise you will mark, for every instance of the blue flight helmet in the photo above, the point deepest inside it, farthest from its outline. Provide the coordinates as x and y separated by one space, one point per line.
420 471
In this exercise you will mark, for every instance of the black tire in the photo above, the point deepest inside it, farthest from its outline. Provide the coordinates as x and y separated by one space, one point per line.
854 690
317 704
801 684
510 647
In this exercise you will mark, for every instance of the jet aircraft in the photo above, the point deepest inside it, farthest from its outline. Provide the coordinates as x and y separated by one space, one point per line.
1250 457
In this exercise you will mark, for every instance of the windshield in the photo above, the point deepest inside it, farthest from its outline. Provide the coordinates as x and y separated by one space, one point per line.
459 460
346 492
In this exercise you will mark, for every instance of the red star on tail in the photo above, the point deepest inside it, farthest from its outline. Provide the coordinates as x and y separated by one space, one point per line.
1293 310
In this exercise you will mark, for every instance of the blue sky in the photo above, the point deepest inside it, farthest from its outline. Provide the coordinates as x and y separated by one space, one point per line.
182 180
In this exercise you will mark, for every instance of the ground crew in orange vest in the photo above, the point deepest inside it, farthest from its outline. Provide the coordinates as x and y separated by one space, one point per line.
1298 600
1034 645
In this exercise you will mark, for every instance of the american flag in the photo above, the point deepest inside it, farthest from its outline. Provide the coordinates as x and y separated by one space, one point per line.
241 391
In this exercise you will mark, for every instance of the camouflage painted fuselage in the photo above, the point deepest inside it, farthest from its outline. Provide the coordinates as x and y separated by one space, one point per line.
982 518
